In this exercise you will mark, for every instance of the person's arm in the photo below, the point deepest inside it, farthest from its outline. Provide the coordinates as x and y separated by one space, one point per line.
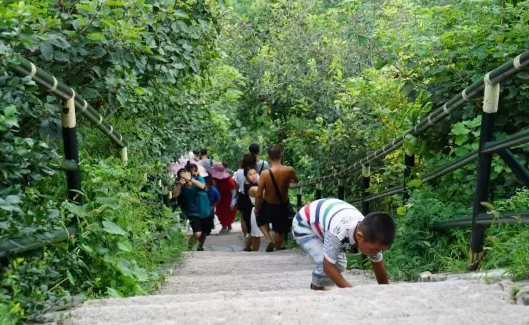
294 176
198 183
380 272
259 194
216 197
178 187
334 274
233 191
233 199
332 248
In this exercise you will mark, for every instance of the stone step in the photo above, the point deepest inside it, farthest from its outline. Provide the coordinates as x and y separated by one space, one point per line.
453 302
244 263
257 281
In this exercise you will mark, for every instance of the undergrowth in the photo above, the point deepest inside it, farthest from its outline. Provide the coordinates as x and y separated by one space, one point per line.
124 235
418 247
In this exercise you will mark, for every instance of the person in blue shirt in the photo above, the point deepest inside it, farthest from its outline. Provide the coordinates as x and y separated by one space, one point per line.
214 198
191 191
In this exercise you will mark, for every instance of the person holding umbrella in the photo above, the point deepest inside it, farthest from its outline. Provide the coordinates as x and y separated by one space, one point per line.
226 208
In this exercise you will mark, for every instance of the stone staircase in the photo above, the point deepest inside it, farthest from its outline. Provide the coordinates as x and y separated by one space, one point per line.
228 286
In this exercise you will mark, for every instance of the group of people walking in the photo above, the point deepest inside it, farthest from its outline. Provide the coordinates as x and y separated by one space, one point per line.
258 190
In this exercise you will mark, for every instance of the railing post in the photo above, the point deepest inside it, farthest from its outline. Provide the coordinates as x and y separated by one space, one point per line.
319 187
341 189
409 163
71 152
299 198
490 107
366 177
124 155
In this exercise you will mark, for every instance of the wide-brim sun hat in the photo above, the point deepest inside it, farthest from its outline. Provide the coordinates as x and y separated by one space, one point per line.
219 171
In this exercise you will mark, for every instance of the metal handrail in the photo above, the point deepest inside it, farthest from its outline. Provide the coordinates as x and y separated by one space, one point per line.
495 76
58 88
514 217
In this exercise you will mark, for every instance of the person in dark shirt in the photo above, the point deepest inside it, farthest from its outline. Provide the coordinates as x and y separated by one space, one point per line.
191 191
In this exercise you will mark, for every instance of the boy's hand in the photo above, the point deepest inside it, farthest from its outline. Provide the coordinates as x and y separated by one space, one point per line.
334 274
380 272
186 176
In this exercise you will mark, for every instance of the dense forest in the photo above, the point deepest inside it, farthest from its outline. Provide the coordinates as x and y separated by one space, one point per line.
328 80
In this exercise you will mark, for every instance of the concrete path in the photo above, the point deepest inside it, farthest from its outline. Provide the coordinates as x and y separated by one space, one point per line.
227 286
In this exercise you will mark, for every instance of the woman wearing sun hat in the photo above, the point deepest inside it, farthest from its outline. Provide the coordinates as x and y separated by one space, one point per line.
227 207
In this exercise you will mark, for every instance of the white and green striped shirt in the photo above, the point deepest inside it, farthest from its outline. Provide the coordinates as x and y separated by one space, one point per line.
334 222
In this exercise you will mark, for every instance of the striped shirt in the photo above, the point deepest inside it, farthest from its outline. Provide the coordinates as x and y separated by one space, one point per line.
334 222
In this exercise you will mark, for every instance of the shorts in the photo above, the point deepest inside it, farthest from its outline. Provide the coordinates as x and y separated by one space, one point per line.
202 225
241 201
276 214
313 246
247 217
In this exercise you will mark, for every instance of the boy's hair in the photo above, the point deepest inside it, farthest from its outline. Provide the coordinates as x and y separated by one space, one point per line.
190 167
254 148
275 152
179 172
203 151
247 170
379 228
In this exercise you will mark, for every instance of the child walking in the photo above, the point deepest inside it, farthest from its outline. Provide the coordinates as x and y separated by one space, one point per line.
325 227
214 199
253 241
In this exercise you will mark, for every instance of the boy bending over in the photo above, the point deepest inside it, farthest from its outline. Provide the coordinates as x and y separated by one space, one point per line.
325 227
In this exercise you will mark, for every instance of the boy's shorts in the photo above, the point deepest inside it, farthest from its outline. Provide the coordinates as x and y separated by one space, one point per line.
313 246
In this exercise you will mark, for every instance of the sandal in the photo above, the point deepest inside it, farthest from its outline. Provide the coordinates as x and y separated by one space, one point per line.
270 247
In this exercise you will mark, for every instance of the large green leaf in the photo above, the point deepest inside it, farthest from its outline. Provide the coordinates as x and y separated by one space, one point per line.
113 228
47 50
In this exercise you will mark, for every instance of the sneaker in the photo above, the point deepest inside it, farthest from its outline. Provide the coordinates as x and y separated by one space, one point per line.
313 287
223 230
229 227
270 247
200 249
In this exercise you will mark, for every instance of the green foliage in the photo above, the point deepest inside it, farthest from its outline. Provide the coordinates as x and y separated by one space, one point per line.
123 235
508 245
418 247
149 67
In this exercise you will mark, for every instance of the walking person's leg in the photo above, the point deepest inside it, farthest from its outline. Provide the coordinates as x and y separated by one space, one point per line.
197 232
205 225
278 240
256 243
262 222
281 226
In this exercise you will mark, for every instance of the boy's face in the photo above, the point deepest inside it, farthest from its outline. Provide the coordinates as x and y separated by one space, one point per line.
252 175
367 248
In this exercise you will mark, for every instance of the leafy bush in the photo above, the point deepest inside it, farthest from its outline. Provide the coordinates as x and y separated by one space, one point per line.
124 234
418 247
508 245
